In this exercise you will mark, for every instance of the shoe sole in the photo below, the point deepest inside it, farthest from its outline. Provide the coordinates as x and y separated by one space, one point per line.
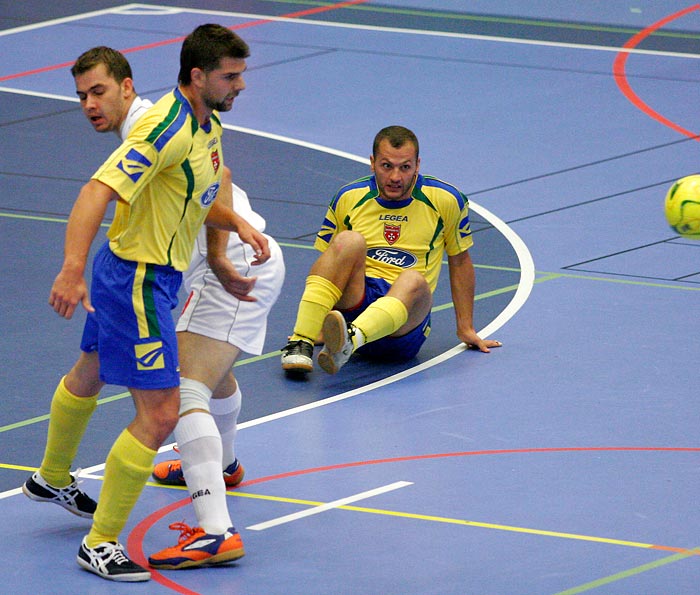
136 577
75 511
333 329
218 559
298 367
231 481
168 482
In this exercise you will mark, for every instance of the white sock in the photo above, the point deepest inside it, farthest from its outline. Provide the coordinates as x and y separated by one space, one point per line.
225 413
200 451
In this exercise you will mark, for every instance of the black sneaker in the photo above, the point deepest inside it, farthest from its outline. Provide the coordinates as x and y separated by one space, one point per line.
297 356
109 561
71 497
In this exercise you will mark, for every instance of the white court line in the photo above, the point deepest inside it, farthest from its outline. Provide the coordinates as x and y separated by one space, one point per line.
449 34
76 17
329 506
153 10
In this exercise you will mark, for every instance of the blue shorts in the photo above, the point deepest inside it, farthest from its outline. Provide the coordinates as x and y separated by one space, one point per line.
400 348
132 328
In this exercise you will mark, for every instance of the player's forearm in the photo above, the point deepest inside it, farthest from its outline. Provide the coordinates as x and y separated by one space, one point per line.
83 223
217 239
222 217
462 286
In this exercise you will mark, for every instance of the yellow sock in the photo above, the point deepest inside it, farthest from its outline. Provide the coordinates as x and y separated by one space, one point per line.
320 295
69 419
128 466
381 318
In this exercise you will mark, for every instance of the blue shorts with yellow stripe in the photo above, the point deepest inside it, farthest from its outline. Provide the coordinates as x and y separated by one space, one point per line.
400 348
132 327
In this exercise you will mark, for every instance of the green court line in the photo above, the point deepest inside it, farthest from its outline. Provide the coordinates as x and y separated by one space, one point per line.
542 277
495 19
628 573
41 218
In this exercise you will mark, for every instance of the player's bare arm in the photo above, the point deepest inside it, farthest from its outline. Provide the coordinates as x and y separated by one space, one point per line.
462 285
69 288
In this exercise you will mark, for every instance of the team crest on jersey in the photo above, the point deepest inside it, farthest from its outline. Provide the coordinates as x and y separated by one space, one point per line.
209 195
134 165
215 159
391 233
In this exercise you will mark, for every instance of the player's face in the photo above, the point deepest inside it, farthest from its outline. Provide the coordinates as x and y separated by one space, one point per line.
395 169
105 102
222 85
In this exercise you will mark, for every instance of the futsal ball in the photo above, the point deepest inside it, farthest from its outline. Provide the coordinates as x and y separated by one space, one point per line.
682 207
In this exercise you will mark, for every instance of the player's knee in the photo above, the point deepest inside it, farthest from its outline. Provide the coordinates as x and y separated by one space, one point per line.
349 241
194 395
414 282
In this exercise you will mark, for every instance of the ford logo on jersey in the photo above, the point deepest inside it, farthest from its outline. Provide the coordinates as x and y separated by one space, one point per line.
398 258
209 195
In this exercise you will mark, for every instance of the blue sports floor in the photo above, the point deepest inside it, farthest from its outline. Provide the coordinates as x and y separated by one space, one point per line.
565 462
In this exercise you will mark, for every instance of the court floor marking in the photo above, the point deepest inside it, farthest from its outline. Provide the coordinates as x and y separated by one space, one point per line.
620 74
345 504
295 516
447 34
135 539
293 18
630 572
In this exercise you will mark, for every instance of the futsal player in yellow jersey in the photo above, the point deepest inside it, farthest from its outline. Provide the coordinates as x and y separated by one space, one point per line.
164 179
382 244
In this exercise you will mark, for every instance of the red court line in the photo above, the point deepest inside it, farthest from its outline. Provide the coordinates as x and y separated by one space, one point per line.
136 536
291 15
621 76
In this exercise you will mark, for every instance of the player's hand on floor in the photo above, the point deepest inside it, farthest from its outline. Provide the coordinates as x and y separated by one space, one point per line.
473 341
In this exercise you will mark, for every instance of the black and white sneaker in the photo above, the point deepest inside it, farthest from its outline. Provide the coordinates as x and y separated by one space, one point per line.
297 356
109 561
71 497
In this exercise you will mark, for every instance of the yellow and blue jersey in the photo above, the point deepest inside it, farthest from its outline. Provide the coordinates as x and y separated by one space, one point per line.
413 233
167 173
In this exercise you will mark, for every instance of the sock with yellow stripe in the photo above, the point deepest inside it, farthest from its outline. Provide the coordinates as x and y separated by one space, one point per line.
381 318
128 466
320 295
69 418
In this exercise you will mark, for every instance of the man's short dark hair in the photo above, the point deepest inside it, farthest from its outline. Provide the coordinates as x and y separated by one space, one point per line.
206 46
117 65
397 136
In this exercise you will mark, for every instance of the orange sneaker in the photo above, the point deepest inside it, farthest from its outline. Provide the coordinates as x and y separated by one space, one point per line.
170 473
197 548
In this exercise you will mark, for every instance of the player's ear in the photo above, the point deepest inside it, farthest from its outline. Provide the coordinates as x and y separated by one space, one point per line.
197 75
371 163
127 87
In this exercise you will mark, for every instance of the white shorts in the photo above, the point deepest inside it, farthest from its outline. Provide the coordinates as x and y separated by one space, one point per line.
213 312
